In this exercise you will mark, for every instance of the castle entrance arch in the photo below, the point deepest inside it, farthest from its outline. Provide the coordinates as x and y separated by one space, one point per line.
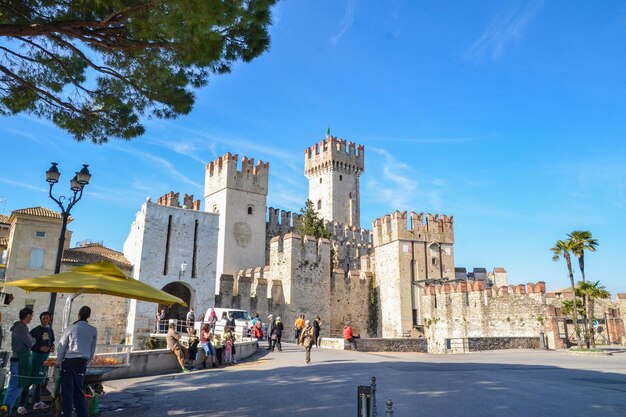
182 291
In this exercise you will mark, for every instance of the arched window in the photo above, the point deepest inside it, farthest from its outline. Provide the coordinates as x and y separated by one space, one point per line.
434 254
341 178
319 204
250 209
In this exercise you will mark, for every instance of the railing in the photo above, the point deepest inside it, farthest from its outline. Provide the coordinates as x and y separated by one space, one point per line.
182 327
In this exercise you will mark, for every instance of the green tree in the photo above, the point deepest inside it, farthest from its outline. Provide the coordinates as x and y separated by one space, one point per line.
372 309
310 222
562 248
581 240
591 291
95 67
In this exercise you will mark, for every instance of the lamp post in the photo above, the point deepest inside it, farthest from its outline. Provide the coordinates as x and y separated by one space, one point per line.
77 184
183 268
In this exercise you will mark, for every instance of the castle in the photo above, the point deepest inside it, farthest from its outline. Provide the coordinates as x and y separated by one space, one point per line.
395 280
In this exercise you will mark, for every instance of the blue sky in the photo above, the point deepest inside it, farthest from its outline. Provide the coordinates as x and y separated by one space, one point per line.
510 116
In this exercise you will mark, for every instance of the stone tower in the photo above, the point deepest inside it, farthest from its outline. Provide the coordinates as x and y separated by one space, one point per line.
407 258
333 173
240 198
164 237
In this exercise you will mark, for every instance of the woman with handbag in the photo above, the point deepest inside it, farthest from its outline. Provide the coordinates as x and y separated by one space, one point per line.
307 337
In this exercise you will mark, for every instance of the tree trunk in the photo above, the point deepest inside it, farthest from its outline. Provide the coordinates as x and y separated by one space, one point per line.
590 308
571 279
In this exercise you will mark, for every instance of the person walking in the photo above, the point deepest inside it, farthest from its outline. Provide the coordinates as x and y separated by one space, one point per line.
317 323
21 343
44 345
307 336
349 336
76 348
278 331
299 324
173 343
271 333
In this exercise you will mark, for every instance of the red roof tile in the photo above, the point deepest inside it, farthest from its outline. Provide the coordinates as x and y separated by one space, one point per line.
38 211
95 253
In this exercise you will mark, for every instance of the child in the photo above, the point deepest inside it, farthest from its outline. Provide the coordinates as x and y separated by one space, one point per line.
194 341
219 349
228 348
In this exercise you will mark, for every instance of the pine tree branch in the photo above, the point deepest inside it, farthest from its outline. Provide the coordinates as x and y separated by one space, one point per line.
104 70
52 99
75 82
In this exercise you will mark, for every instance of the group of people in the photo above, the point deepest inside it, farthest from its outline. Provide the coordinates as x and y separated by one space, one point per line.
29 352
214 349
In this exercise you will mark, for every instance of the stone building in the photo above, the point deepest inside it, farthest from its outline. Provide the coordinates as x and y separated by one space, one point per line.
31 250
173 248
239 196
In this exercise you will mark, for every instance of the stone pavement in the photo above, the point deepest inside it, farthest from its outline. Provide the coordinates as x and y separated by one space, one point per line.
498 383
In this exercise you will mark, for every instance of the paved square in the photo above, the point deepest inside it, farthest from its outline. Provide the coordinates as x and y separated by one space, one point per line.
496 383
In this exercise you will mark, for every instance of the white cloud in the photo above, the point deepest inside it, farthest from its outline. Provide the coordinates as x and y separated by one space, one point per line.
346 22
168 166
507 27
21 184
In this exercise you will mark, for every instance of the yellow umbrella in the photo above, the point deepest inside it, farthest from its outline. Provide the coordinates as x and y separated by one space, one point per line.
96 278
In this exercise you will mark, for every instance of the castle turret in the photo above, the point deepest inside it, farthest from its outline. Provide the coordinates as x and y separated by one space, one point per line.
333 173
240 197
407 256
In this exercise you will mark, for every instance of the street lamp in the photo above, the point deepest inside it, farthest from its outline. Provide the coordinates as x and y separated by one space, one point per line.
183 268
77 184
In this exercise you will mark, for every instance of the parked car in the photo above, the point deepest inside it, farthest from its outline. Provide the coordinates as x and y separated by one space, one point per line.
242 318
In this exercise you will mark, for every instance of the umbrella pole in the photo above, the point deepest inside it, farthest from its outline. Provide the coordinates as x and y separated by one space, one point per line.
67 311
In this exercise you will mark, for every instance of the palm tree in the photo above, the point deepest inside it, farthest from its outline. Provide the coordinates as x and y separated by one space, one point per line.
581 241
563 248
591 291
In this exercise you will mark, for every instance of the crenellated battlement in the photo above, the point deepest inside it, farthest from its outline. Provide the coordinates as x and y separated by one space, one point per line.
229 163
349 242
172 199
331 154
430 228
280 222
224 172
479 286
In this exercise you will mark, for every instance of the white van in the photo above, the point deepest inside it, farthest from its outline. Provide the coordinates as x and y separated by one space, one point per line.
243 321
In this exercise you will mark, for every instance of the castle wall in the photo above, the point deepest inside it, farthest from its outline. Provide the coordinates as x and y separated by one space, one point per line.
460 311
239 196
349 299
193 240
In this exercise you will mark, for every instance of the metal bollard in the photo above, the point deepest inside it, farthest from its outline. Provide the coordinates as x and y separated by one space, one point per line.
389 408
374 411
364 401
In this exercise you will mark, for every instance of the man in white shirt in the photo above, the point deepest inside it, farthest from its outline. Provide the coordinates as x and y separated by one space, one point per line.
76 348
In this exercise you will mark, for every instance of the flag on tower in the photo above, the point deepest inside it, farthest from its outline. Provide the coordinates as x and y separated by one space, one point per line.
327 133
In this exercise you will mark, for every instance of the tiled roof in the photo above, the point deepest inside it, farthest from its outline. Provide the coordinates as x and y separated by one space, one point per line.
4 219
499 270
95 253
38 211
621 296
